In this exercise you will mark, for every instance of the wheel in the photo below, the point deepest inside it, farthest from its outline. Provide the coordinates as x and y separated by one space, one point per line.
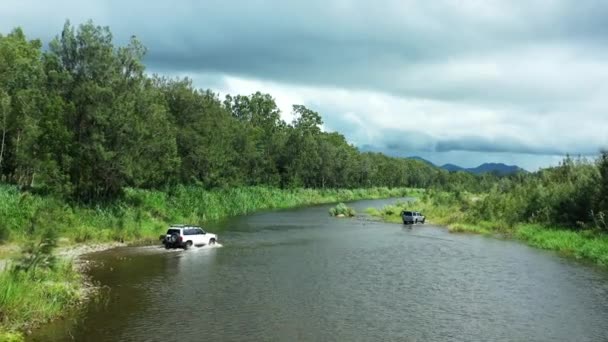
167 246
188 245
173 238
423 221
211 241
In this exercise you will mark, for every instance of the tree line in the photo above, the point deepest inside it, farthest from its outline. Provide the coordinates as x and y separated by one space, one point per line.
573 194
83 120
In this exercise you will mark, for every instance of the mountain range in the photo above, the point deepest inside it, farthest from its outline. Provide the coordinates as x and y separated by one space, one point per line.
499 168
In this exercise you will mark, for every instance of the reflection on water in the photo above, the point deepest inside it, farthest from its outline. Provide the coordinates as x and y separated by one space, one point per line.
301 275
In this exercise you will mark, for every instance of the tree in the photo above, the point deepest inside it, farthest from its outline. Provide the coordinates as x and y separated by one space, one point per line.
83 120
261 138
21 77
602 201
5 102
118 122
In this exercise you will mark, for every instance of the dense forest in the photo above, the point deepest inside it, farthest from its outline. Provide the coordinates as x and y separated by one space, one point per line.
83 120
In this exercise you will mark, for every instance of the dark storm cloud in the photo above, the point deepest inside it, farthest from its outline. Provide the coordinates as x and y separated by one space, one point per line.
480 144
541 62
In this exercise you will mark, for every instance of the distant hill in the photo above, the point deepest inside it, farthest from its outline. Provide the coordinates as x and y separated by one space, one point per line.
499 168
421 159
452 167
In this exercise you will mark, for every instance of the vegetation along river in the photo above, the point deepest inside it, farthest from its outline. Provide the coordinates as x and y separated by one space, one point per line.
302 275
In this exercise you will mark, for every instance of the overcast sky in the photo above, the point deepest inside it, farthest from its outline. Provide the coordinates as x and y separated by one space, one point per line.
464 82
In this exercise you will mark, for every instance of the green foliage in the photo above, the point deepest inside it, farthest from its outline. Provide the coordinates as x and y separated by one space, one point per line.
342 210
6 336
602 193
143 214
566 196
28 298
587 245
37 255
82 121
538 209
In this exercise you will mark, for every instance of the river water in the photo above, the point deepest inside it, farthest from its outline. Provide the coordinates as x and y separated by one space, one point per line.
300 275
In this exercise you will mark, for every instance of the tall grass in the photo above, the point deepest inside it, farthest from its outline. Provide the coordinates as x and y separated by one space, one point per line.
342 210
442 207
583 244
29 298
454 211
143 214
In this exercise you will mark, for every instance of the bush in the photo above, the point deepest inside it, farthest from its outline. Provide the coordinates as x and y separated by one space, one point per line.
342 210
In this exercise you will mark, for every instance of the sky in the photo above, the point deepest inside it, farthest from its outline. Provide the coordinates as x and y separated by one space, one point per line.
465 82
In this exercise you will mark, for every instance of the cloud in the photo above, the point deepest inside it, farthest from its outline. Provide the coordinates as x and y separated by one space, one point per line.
493 78
401 126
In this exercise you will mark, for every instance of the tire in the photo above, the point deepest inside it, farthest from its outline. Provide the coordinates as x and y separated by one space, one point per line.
423 221
211 241
167 246
173 238
187 245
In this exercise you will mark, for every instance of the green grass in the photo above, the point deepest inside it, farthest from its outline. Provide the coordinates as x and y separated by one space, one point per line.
144 214
28 299
469 228
581 245
438 214
439 209
7 336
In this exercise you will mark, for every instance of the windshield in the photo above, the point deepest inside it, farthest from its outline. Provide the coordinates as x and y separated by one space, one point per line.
407 213
173 231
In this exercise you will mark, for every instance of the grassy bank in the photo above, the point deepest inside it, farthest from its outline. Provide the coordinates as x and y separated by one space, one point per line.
31 298
143 214
451 210
28 299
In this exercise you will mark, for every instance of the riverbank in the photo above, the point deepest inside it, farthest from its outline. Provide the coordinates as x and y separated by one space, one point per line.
585 244
144 214
27 300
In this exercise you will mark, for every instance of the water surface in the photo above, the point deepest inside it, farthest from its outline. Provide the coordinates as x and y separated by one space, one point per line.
299 275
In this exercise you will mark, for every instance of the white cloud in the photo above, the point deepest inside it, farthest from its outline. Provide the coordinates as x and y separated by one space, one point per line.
365 117
476 80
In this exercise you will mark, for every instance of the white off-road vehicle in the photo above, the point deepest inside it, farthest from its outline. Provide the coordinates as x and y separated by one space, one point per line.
185 236
412 217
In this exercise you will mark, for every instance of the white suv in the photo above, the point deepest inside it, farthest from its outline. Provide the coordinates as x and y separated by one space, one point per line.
411 217
182 236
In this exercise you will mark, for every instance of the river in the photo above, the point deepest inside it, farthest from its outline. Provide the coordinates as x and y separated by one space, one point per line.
300 275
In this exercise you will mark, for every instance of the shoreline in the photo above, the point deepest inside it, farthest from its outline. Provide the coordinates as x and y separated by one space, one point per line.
581 245
75 287
84 288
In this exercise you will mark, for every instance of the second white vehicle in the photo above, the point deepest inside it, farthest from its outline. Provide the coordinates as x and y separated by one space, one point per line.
183 236
412 217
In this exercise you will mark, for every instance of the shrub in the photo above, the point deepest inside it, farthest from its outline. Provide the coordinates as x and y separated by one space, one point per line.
342 210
